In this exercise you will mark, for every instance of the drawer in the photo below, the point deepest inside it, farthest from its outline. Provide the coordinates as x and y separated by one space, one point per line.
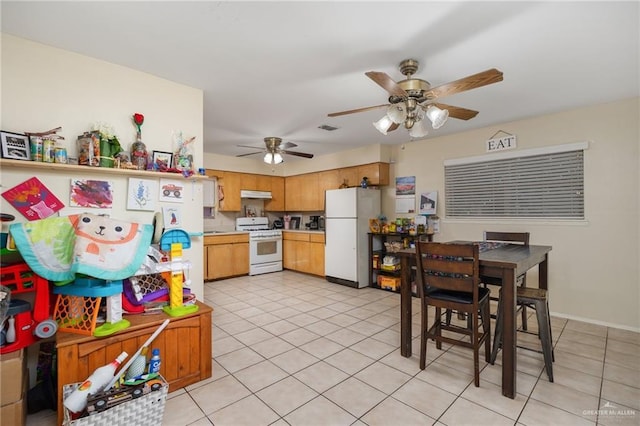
295 236
316 238
225 239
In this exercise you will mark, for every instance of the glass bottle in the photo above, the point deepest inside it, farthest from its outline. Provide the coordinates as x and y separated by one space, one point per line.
139 153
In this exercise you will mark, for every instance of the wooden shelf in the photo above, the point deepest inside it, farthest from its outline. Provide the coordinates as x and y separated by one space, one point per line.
72 168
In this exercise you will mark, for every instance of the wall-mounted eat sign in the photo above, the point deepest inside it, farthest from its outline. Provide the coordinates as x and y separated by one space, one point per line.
499 144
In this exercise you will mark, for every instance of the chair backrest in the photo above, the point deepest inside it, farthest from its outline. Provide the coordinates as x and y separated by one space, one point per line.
448 266
511 237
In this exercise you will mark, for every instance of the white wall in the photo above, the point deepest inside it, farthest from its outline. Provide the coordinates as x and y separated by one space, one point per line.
594 272
44 87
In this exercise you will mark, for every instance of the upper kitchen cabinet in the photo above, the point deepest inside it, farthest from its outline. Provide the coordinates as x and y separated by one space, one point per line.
349 176
377 173
229 185
276 203
302 193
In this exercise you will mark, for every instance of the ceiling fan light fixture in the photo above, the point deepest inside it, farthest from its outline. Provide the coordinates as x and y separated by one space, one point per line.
383 124
419 129
437 116
397 112
273 158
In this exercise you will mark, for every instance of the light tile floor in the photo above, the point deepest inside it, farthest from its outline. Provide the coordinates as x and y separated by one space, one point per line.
290 349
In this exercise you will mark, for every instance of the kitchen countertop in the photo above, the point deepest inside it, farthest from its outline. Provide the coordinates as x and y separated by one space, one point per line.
209 233
312 231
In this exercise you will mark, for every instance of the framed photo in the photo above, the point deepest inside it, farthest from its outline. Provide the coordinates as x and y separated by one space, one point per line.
428 202
15 146
162 160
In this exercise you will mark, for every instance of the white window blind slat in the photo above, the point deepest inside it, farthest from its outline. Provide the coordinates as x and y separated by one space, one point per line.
549 185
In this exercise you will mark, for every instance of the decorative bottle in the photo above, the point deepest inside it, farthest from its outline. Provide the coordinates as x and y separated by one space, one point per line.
139 153
77 401
11 330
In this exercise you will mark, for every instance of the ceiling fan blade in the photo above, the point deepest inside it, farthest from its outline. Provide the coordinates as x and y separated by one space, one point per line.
458 112
351 111
471 82
383 80
247 146
297 154
251 153
285 145
393 127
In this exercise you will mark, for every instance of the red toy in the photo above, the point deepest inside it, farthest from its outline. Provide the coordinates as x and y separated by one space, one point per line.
29 324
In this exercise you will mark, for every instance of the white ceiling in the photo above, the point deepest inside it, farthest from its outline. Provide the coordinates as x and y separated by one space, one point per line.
278 68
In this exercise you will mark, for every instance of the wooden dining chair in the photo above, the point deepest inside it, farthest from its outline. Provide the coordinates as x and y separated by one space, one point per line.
448 278
508 237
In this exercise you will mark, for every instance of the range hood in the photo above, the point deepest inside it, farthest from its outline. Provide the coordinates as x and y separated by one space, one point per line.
264 195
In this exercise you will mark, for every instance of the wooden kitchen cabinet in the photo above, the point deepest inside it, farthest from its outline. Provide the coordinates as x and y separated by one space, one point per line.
303 252
349 176
302 193
226 255
229 184
377 173
185 349
276 203
328 179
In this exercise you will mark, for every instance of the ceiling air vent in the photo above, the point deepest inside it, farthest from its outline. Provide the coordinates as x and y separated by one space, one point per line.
327 127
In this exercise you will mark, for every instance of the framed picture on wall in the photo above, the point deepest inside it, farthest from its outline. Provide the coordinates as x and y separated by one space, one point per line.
162 160
15 146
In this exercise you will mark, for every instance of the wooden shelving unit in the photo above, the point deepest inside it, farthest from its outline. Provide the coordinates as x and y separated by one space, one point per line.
72 168
376 247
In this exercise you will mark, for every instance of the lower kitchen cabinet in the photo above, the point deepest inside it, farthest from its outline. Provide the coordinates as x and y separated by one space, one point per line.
303 252
226 256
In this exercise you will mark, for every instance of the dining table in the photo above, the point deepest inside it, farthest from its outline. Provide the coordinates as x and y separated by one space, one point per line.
503 261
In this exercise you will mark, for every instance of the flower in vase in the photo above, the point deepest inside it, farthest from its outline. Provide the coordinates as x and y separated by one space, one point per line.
138 119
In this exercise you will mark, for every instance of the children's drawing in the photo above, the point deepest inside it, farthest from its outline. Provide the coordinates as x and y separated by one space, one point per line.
171 190
34 200
142 194
91 193
172 216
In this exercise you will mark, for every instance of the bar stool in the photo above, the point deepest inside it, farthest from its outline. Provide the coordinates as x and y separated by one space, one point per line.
535 298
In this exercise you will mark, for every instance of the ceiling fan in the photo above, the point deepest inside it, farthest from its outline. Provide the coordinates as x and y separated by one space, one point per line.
413 99
274 148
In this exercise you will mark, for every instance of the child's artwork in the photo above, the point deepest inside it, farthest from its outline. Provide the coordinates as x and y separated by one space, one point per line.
172 216
34 200
91 193
171 190
142 194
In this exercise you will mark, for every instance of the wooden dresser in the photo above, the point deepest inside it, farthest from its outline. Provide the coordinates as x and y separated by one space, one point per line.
185 349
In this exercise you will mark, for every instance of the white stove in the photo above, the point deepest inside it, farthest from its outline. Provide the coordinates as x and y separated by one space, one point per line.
265 245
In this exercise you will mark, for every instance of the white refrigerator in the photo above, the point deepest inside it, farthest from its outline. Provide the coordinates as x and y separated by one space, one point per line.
347 214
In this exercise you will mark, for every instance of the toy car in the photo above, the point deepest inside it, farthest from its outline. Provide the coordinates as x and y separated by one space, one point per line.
171 189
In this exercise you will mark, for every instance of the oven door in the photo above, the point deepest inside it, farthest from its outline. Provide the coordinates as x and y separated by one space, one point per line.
265 255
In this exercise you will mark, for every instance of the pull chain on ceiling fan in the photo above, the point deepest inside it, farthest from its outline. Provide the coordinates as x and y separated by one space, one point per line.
412 100
274 149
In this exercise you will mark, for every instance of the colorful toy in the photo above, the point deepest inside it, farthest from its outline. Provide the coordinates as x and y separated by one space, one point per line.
174 240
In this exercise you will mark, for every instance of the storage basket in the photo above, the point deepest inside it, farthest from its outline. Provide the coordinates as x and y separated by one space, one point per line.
146 410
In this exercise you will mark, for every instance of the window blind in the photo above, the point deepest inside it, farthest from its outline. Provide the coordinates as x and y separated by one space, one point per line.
547 185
